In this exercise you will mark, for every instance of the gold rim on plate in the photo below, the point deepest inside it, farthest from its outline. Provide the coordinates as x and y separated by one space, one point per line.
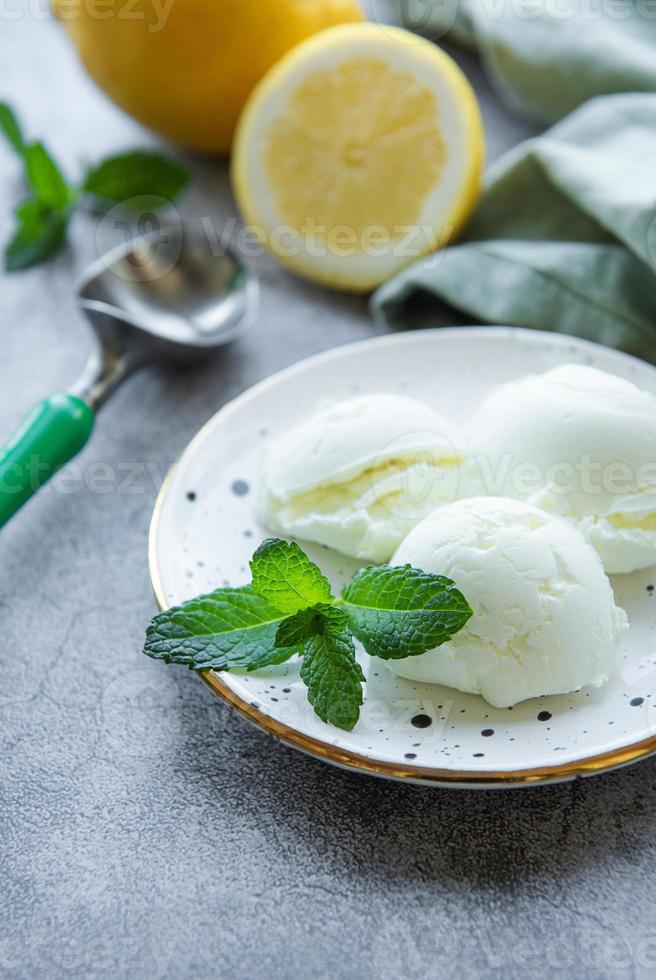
344 758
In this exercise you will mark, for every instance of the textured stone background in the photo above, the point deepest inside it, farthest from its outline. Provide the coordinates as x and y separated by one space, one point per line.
149 833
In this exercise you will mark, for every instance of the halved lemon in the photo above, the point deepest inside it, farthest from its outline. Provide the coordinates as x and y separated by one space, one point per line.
359 151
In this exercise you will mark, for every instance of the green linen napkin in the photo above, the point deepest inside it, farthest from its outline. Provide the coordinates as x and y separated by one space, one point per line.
564 237
546 57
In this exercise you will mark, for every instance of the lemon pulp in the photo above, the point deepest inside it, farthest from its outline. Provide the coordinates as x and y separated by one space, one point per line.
358 146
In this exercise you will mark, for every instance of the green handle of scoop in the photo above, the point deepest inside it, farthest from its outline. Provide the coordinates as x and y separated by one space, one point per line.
55 430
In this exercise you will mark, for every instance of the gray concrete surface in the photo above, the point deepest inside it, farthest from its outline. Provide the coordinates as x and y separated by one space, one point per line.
147 832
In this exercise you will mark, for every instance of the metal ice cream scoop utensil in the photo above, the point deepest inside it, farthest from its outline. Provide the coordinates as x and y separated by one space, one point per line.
174 298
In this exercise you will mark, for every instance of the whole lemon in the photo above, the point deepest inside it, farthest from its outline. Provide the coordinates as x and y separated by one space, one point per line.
186 67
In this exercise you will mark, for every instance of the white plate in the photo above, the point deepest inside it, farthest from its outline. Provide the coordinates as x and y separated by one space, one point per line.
204 532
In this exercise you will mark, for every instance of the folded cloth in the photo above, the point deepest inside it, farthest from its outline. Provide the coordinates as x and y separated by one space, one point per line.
564 237
546 57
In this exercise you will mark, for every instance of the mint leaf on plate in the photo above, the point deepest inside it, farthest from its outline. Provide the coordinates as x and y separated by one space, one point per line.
39 234
401 611
228 629
302 626
136 174
10 126
45 178
284 575
331 673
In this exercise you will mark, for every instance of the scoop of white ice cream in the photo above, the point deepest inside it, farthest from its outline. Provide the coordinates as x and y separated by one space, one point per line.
581 443
360 474
544 616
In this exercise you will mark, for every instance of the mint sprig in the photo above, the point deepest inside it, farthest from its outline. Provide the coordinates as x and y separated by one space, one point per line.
42 220
289 610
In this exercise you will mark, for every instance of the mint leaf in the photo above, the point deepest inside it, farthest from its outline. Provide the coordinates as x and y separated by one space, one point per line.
39 235
284 575
136 174
403 612
302 626
10 126
331 673
45 177
226 630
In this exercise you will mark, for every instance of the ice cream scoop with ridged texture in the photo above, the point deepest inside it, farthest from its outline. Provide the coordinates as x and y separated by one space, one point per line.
544 615
359 474
582 443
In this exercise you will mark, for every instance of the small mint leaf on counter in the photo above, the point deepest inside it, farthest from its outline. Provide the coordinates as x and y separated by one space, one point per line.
39 234
331 673
140 173
45 178
10 127
399 612
283 574
229 629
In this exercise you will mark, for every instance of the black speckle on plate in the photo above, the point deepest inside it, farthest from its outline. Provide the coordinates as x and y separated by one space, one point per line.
544 716
636 702
240 488
191 495
487 732
421 721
